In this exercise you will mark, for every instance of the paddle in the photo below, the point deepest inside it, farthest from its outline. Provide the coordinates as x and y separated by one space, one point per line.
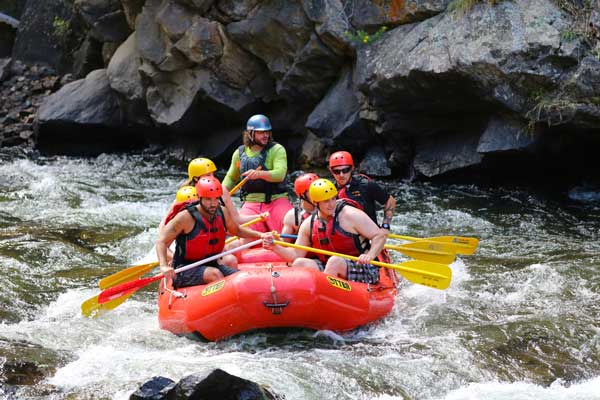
242 182
435 252
126 289
426 273
461 244
125 275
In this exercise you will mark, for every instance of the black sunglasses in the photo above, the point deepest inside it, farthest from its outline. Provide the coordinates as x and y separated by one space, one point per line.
341 171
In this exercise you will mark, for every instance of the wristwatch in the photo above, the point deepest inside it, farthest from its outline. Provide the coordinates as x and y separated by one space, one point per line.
385 225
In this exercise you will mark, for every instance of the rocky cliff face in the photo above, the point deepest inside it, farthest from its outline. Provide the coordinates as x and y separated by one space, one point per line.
423 88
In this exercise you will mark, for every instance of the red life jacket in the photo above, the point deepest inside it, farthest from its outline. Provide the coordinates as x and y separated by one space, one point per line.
330 236
178 207
204 240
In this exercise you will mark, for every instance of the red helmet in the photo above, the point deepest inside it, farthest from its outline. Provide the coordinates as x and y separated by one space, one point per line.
302 183
209 186
340 158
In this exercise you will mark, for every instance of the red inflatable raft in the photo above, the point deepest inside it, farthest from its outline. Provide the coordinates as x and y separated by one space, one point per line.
266 293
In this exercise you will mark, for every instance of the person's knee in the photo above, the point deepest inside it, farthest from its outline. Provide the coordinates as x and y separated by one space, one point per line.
305 263
336 266
230 260
212 274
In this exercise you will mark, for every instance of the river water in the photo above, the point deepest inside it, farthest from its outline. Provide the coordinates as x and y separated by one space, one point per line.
521 319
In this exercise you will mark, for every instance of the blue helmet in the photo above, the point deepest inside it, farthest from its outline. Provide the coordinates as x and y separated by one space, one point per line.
258 122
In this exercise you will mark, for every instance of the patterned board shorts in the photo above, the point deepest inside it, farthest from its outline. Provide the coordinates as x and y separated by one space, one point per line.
357 272
195 276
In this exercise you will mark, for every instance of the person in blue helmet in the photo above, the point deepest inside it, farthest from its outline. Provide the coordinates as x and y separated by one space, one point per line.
266 189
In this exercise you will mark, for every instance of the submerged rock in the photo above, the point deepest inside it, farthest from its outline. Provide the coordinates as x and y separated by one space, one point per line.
217 384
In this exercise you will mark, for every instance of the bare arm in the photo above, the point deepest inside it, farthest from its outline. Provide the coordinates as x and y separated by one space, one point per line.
288 253
289 227
388 209
365 227
165 237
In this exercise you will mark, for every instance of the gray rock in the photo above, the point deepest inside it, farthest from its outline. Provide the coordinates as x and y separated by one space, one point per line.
491 55
314 70
218 384
201 42
86 101
331 23
201 6
375 163
274 32
155 389
122 71
5 68
236 10
337 116
39 38
313 152
153 44
442 153
132 8
505 134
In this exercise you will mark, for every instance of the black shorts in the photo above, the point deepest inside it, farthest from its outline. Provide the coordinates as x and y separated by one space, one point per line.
195 276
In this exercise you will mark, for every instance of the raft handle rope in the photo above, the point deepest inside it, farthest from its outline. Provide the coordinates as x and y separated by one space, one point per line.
173 293
276 307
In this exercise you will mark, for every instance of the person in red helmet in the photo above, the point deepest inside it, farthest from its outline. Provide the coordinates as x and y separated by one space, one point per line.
360 189
304 208
199 232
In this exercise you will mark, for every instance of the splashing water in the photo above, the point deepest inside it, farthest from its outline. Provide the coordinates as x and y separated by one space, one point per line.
519 321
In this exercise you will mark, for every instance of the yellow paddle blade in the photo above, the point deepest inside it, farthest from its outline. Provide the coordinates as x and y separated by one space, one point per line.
433 252
426 273
126 275
460 244
434 275
91 307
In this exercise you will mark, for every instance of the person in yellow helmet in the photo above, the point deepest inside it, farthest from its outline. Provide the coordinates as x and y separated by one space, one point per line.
339 227
203 167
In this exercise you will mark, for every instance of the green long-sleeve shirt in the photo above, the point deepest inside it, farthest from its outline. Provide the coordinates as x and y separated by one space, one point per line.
275 163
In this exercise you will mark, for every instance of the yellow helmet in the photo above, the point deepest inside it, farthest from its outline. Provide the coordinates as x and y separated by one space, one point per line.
186 193
200 166
321 190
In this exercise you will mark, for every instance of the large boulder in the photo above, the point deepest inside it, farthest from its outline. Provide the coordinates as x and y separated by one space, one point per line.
106 19
336 118
46 34
281 35
505 134
492 56
89 101
123 70
216 384
436 155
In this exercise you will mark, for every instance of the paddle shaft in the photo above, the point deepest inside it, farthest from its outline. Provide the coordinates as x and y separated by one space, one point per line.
378 263
426 254
242 182
125 288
